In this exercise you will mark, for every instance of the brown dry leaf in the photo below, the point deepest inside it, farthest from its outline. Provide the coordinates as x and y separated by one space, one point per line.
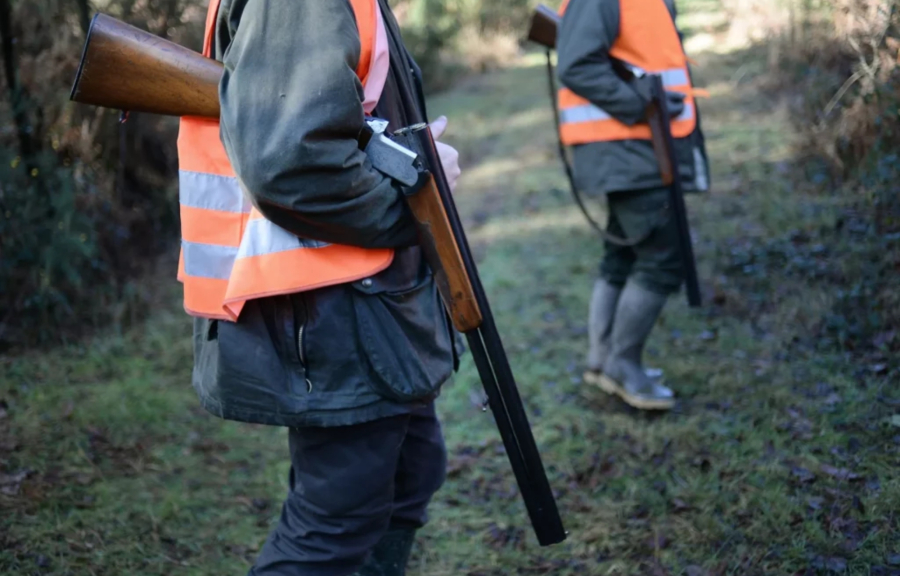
459 464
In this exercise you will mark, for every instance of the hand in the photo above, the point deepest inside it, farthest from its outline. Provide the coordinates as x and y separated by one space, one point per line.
449 155
675 104
674 100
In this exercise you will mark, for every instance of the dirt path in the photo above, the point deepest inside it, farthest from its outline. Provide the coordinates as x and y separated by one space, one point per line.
781 457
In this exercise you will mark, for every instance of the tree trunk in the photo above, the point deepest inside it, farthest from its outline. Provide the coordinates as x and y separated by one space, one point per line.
84 14
17 95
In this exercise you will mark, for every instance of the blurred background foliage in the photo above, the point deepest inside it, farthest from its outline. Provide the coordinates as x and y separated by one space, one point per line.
88 205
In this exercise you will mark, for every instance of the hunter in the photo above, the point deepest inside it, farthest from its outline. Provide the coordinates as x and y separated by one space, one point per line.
314 307
606 48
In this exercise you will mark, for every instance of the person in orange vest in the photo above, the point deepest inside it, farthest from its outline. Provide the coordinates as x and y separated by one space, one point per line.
313 306
607 49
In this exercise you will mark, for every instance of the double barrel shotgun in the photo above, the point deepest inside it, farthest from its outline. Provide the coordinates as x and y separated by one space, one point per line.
127 69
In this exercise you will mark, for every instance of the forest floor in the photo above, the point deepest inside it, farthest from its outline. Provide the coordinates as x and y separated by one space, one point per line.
780 458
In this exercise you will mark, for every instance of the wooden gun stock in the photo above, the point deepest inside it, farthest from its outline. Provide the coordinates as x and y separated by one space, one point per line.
660 145
544 24
128 69
444 256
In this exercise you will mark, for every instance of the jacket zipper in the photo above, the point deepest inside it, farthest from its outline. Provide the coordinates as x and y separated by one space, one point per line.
300 345
300 353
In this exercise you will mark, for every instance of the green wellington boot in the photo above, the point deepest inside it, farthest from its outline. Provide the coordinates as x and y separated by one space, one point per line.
390 555
601 314
623 371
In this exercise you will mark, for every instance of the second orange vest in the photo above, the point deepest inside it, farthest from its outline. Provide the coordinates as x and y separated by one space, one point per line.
647 42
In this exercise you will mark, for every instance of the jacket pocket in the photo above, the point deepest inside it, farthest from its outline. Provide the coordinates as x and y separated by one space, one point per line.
405 336
257 367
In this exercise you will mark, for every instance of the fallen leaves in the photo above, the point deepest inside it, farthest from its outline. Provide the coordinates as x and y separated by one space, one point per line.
459 465
10 484
831 564
802 475
840 473
498 537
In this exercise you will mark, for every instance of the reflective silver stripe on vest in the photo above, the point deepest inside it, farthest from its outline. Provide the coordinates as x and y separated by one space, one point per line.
687 113
670 76
583 113
591 113
263 237
211 192
208 260
674 77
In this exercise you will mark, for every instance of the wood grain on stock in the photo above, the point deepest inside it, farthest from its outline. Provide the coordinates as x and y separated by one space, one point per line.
428 210
659 145
128 69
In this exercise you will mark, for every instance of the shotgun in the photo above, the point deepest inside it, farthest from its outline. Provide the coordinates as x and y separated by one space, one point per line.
544 26
128 69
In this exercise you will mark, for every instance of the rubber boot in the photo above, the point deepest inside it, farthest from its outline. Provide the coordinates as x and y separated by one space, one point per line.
623 370
602 310
390 555
601 313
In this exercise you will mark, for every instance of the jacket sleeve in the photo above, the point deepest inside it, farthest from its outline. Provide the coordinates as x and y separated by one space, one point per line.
589 29
291 115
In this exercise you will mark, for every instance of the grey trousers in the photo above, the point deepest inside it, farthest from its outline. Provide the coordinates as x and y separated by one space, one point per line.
348 485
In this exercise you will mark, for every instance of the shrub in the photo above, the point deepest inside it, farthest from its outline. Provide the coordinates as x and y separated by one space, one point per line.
86 204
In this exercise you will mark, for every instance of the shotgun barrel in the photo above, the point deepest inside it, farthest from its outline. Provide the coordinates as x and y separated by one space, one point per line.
492 363
485 343
129 69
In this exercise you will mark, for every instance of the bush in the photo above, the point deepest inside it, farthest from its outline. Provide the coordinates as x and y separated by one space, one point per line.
841 59
86 204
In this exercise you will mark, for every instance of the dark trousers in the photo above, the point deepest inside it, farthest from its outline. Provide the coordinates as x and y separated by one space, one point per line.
348 485
655 262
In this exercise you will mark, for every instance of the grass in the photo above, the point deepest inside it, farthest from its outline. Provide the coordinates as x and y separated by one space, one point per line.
779 459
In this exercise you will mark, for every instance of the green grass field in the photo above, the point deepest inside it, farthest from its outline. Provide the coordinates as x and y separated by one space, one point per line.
780 458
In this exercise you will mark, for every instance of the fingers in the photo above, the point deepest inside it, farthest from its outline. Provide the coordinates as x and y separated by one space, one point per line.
450 162
438 127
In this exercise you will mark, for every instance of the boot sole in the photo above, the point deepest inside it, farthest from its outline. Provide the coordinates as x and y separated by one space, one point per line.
613 388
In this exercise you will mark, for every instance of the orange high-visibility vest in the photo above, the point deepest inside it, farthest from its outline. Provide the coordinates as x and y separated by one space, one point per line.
648 42
229 252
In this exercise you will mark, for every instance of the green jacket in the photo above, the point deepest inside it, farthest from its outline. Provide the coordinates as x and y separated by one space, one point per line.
291 114
588 31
